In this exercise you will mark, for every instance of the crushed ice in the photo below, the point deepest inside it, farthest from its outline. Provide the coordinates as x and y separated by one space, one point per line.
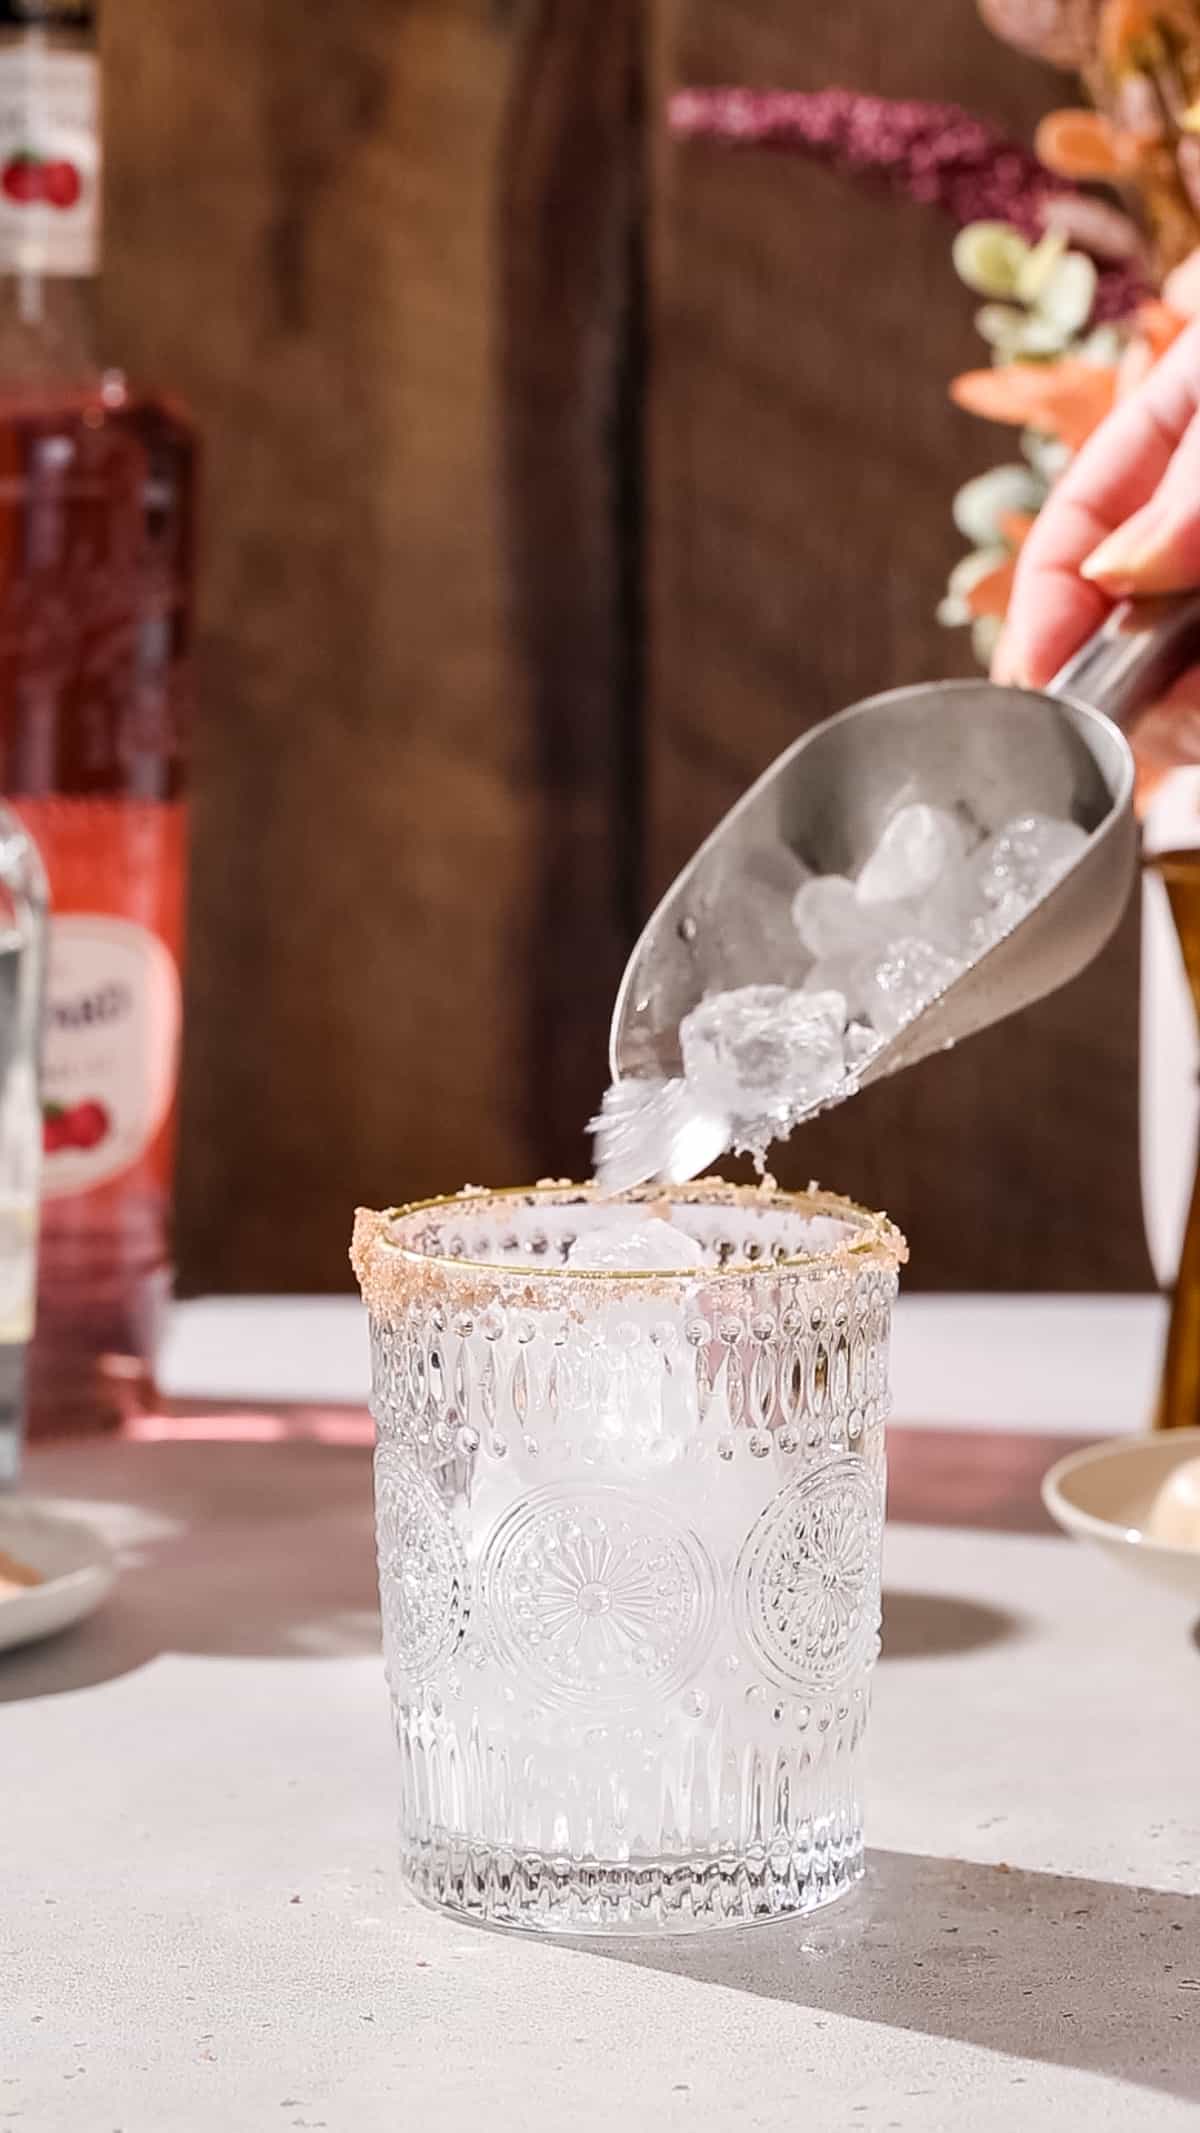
927 903
634 1240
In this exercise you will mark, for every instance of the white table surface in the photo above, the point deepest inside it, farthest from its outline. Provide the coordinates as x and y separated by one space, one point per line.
201 1927
1043 1363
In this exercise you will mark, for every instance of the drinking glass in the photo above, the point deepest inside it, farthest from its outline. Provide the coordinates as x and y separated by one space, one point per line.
629 1531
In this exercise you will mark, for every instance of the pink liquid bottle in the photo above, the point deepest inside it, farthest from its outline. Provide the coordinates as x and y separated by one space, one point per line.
97 480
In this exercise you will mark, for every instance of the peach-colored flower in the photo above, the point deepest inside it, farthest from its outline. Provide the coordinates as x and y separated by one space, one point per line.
1084 144
1067 399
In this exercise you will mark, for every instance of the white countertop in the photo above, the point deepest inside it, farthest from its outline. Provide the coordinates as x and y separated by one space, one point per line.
205 1932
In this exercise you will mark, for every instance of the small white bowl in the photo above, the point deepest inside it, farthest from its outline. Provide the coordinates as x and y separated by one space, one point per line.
77 1570
1104 1494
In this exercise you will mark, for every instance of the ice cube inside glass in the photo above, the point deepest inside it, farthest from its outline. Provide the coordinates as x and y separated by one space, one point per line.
629 1522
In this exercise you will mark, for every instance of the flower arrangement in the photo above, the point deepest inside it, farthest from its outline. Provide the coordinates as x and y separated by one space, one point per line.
1084 253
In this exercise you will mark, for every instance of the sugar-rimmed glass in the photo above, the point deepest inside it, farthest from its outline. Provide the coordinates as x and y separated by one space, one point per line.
629 1533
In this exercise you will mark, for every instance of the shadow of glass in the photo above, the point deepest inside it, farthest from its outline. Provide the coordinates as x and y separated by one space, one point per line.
1075 1973
926 1625
251 1550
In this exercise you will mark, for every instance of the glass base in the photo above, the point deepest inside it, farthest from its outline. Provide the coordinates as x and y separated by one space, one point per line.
529 1890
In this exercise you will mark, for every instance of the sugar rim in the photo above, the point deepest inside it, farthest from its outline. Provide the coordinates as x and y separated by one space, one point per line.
878 1239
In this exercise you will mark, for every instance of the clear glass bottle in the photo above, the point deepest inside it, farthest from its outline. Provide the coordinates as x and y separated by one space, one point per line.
96 510
22 969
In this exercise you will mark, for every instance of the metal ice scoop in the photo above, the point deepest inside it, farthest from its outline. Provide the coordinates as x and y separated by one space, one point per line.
988 752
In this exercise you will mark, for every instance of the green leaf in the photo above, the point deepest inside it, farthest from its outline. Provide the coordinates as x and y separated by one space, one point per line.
1042 337
1104 345
1000 324
1068 294
1038 265
1015 335
981 504
988 256
1048 456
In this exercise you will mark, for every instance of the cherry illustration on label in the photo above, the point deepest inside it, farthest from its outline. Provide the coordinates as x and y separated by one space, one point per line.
27 177
20 179
83 1125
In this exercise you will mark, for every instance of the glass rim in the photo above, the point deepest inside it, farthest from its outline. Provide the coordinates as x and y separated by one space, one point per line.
878 1240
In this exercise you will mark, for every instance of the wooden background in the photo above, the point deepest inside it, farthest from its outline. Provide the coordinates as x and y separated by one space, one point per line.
556 477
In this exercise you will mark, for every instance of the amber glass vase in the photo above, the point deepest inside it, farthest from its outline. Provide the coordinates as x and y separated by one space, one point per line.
1179 1392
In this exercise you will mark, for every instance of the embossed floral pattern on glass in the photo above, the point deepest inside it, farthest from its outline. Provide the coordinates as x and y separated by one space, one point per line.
629 1532
598 1596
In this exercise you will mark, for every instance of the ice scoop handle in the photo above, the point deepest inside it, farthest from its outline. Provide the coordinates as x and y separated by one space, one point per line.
1135 654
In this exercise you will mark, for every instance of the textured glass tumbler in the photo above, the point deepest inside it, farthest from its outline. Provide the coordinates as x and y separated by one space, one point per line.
629 1532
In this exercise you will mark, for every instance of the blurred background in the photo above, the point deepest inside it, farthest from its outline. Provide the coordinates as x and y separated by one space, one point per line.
556 477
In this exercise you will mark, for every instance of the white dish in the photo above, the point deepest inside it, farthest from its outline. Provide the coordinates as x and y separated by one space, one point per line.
1104 1495
77 1569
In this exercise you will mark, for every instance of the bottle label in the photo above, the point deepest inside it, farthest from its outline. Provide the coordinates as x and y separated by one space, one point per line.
49 161
111 1049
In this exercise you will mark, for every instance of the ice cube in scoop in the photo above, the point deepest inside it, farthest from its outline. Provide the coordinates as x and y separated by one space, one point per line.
947 916
763 1053
918 845
990 923
1024 860
847 974
829 918
632 1240
909 974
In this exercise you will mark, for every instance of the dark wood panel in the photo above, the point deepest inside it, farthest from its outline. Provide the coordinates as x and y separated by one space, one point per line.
569 223
803 456
301 204
390 251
